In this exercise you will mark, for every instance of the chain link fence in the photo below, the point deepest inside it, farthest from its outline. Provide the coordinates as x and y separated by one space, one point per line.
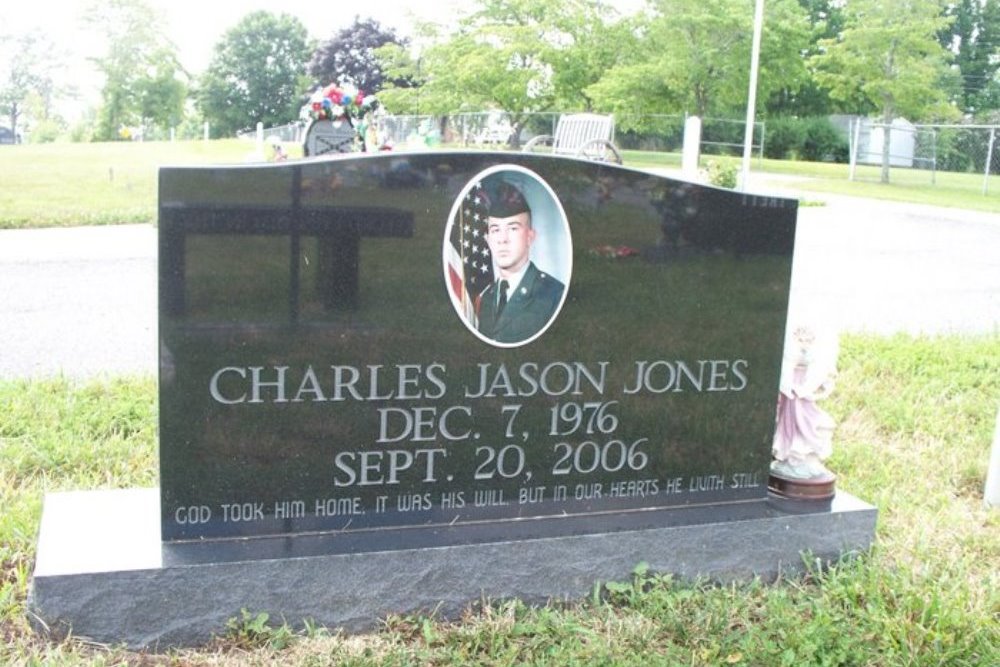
907 147
963 157
968 149
916 152
662 133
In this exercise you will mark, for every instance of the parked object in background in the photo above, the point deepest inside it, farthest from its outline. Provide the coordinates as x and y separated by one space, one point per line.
582 135
7 136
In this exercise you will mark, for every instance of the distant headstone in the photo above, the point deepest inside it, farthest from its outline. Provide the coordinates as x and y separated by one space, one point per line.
405 381
692 147
329 136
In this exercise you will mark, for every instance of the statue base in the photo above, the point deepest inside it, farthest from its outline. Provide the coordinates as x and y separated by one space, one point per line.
821 488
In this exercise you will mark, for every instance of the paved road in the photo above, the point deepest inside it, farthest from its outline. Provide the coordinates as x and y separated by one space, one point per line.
82 301
78 301
865 265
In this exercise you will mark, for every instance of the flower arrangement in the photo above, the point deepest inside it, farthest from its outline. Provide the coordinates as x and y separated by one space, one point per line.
336 103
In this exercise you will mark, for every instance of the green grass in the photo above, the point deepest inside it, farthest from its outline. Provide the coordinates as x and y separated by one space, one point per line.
51 185
906 185
915 417
46 185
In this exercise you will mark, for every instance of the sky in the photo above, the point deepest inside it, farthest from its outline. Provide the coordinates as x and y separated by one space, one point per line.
195 26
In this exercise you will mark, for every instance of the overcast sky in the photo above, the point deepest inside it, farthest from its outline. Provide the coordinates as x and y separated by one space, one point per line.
195 26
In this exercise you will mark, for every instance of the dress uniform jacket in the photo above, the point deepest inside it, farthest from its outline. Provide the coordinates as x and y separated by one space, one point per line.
529 307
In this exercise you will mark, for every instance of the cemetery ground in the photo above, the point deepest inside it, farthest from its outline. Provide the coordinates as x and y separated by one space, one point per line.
915 414
915 420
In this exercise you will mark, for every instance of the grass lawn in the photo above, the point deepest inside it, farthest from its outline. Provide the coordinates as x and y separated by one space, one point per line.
906 185
45 185
915 417
50 185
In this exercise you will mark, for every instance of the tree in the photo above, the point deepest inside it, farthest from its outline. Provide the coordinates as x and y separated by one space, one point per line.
517 56
30 62
349 57
161 94
135 51
888 55
600 41
826 21
694 57
256 74
973 36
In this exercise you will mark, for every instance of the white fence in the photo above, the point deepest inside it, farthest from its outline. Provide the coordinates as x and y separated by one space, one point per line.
291 133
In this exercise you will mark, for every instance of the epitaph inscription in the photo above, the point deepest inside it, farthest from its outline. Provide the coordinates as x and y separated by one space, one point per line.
325 366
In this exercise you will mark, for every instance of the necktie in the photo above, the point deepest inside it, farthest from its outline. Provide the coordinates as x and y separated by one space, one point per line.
503 297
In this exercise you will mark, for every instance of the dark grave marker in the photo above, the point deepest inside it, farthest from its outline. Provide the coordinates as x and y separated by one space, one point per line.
329 136
345 379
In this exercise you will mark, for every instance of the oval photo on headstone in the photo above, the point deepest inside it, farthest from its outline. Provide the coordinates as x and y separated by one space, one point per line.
507 255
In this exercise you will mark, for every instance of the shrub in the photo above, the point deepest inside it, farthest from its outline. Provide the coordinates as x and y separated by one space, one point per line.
722 174
783 138
814 139
46 131
822 142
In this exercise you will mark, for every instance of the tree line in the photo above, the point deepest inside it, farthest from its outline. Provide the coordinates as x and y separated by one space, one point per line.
927 60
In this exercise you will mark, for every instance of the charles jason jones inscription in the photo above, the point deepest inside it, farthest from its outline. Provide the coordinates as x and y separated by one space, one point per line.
314 376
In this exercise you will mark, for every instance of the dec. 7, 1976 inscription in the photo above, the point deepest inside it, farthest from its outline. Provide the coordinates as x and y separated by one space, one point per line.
298 395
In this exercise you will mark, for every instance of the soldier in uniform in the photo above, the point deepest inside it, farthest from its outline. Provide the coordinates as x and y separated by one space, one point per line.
522 299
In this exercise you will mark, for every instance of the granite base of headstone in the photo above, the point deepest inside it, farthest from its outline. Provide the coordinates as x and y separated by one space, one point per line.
103 572
406 382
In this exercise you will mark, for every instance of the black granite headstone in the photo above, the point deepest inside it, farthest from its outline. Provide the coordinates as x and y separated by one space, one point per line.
554 369
333 356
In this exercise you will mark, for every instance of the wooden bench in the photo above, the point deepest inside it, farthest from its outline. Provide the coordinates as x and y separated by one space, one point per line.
583 135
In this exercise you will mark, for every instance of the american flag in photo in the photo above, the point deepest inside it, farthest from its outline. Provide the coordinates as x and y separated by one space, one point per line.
470 265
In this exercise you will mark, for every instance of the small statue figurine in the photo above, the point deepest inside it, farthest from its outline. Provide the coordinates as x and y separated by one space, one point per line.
804 434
